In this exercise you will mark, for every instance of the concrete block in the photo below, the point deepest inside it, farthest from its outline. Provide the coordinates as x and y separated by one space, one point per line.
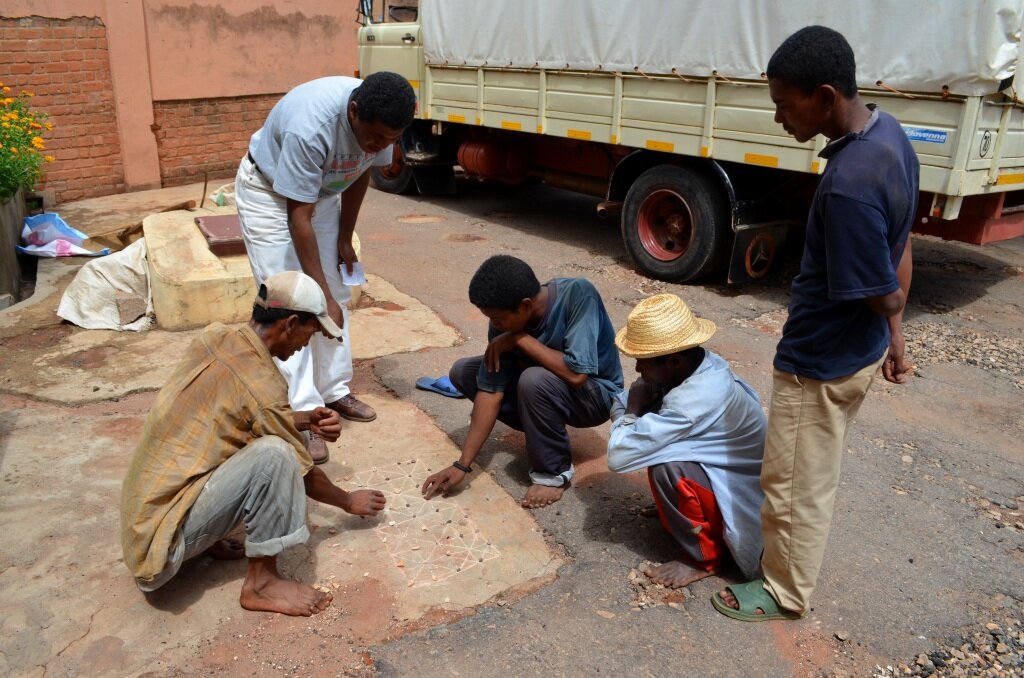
192 287
130 307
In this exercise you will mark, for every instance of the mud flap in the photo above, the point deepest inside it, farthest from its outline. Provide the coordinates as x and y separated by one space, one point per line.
434 179
755 250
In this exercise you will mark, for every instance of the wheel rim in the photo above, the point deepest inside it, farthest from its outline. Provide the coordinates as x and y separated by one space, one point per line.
665 225
393 170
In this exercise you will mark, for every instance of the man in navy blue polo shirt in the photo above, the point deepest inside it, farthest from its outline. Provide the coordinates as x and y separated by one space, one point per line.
845 314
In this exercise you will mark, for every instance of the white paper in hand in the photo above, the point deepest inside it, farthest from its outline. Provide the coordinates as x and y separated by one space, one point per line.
358 277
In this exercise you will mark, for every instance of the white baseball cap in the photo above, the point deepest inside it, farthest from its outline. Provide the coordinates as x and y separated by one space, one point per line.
296 291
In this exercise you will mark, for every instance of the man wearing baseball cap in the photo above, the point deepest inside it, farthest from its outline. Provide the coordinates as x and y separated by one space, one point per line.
221 446
699 431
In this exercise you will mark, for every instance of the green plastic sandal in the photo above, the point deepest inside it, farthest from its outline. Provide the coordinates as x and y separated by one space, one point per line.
751 596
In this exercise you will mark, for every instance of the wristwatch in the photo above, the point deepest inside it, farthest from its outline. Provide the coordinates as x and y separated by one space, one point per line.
462 467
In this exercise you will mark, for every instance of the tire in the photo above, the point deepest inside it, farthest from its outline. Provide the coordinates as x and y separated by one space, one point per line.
394 178
676 223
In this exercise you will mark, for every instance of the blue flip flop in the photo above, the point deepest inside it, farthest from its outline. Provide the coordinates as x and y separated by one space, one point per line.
442 385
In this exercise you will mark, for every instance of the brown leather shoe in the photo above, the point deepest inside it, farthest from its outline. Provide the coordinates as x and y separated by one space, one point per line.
318 449
353 409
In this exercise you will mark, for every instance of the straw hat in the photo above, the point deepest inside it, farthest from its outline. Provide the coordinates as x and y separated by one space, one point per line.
661 325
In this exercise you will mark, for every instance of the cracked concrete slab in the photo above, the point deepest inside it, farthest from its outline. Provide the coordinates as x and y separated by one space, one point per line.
71 606
72 405
64 364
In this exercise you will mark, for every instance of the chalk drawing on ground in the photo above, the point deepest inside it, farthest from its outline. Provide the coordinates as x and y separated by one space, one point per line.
431 541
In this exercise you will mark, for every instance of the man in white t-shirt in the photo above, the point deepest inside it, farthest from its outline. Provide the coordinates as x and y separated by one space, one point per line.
316 144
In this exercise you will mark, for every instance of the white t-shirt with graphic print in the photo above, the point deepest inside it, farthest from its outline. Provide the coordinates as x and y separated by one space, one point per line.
306 147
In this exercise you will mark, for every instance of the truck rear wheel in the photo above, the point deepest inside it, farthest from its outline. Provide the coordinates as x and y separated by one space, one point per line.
393 178
675 223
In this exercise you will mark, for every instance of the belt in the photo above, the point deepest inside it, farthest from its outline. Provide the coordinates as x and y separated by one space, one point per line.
254 165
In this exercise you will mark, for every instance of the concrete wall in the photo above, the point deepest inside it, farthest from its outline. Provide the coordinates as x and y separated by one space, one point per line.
168 90
206 50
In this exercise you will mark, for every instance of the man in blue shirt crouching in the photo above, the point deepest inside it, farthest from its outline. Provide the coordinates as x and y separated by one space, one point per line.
550 362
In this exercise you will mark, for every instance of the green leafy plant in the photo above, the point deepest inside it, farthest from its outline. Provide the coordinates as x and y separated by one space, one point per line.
21 142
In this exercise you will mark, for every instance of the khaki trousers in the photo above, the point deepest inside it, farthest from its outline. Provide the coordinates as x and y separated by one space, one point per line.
807 426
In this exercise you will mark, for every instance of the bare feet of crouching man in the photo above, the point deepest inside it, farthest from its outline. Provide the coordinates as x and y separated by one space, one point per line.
539 496
264 591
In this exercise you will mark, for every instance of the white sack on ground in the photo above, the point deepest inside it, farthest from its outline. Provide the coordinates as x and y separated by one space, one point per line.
90 301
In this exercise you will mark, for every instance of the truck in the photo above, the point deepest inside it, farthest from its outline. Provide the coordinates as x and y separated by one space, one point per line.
660 110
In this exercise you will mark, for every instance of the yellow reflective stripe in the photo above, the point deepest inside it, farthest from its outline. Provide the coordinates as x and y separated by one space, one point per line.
660 145
508 124
456 118
579 134
763 160
1010 179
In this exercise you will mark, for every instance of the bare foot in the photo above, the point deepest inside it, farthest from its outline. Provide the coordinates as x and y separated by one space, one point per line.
227 549
263 590
676 575
649 511
539 496
729 599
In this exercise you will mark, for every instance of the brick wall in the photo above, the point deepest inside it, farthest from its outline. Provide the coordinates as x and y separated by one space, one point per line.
65 63
206 135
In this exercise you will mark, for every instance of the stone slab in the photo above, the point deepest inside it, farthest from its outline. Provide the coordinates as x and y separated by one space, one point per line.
390 321
71 607
450 552
193 287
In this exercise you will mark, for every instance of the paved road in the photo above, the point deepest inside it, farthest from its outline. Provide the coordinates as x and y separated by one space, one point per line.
923 546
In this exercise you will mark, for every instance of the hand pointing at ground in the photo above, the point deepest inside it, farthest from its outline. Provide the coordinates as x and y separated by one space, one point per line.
443 481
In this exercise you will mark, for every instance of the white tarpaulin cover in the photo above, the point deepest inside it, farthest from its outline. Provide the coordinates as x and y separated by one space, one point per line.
90 301
912 45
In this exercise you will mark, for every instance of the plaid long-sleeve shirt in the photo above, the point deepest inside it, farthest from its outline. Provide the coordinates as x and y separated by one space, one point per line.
226 392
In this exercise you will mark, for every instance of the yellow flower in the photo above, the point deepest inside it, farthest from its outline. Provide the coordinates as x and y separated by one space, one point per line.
36 125
14 150
6 124
49 158
26 93
38 143
6 89
48 125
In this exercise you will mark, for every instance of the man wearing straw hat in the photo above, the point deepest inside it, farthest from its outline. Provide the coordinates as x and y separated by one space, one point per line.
699 431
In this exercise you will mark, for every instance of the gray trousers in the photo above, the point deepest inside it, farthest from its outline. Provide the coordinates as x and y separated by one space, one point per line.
540 405
261 487
689 512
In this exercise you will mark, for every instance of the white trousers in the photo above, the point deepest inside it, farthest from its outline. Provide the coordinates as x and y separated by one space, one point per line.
320 372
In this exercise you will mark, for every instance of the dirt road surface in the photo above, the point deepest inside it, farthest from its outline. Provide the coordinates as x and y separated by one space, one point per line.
927 545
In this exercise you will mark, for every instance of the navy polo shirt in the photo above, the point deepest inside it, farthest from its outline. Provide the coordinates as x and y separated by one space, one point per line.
857 228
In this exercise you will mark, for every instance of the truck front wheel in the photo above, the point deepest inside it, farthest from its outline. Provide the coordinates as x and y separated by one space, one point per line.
675 223
393 178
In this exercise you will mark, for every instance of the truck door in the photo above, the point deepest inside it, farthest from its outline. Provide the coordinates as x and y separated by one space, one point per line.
392 45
